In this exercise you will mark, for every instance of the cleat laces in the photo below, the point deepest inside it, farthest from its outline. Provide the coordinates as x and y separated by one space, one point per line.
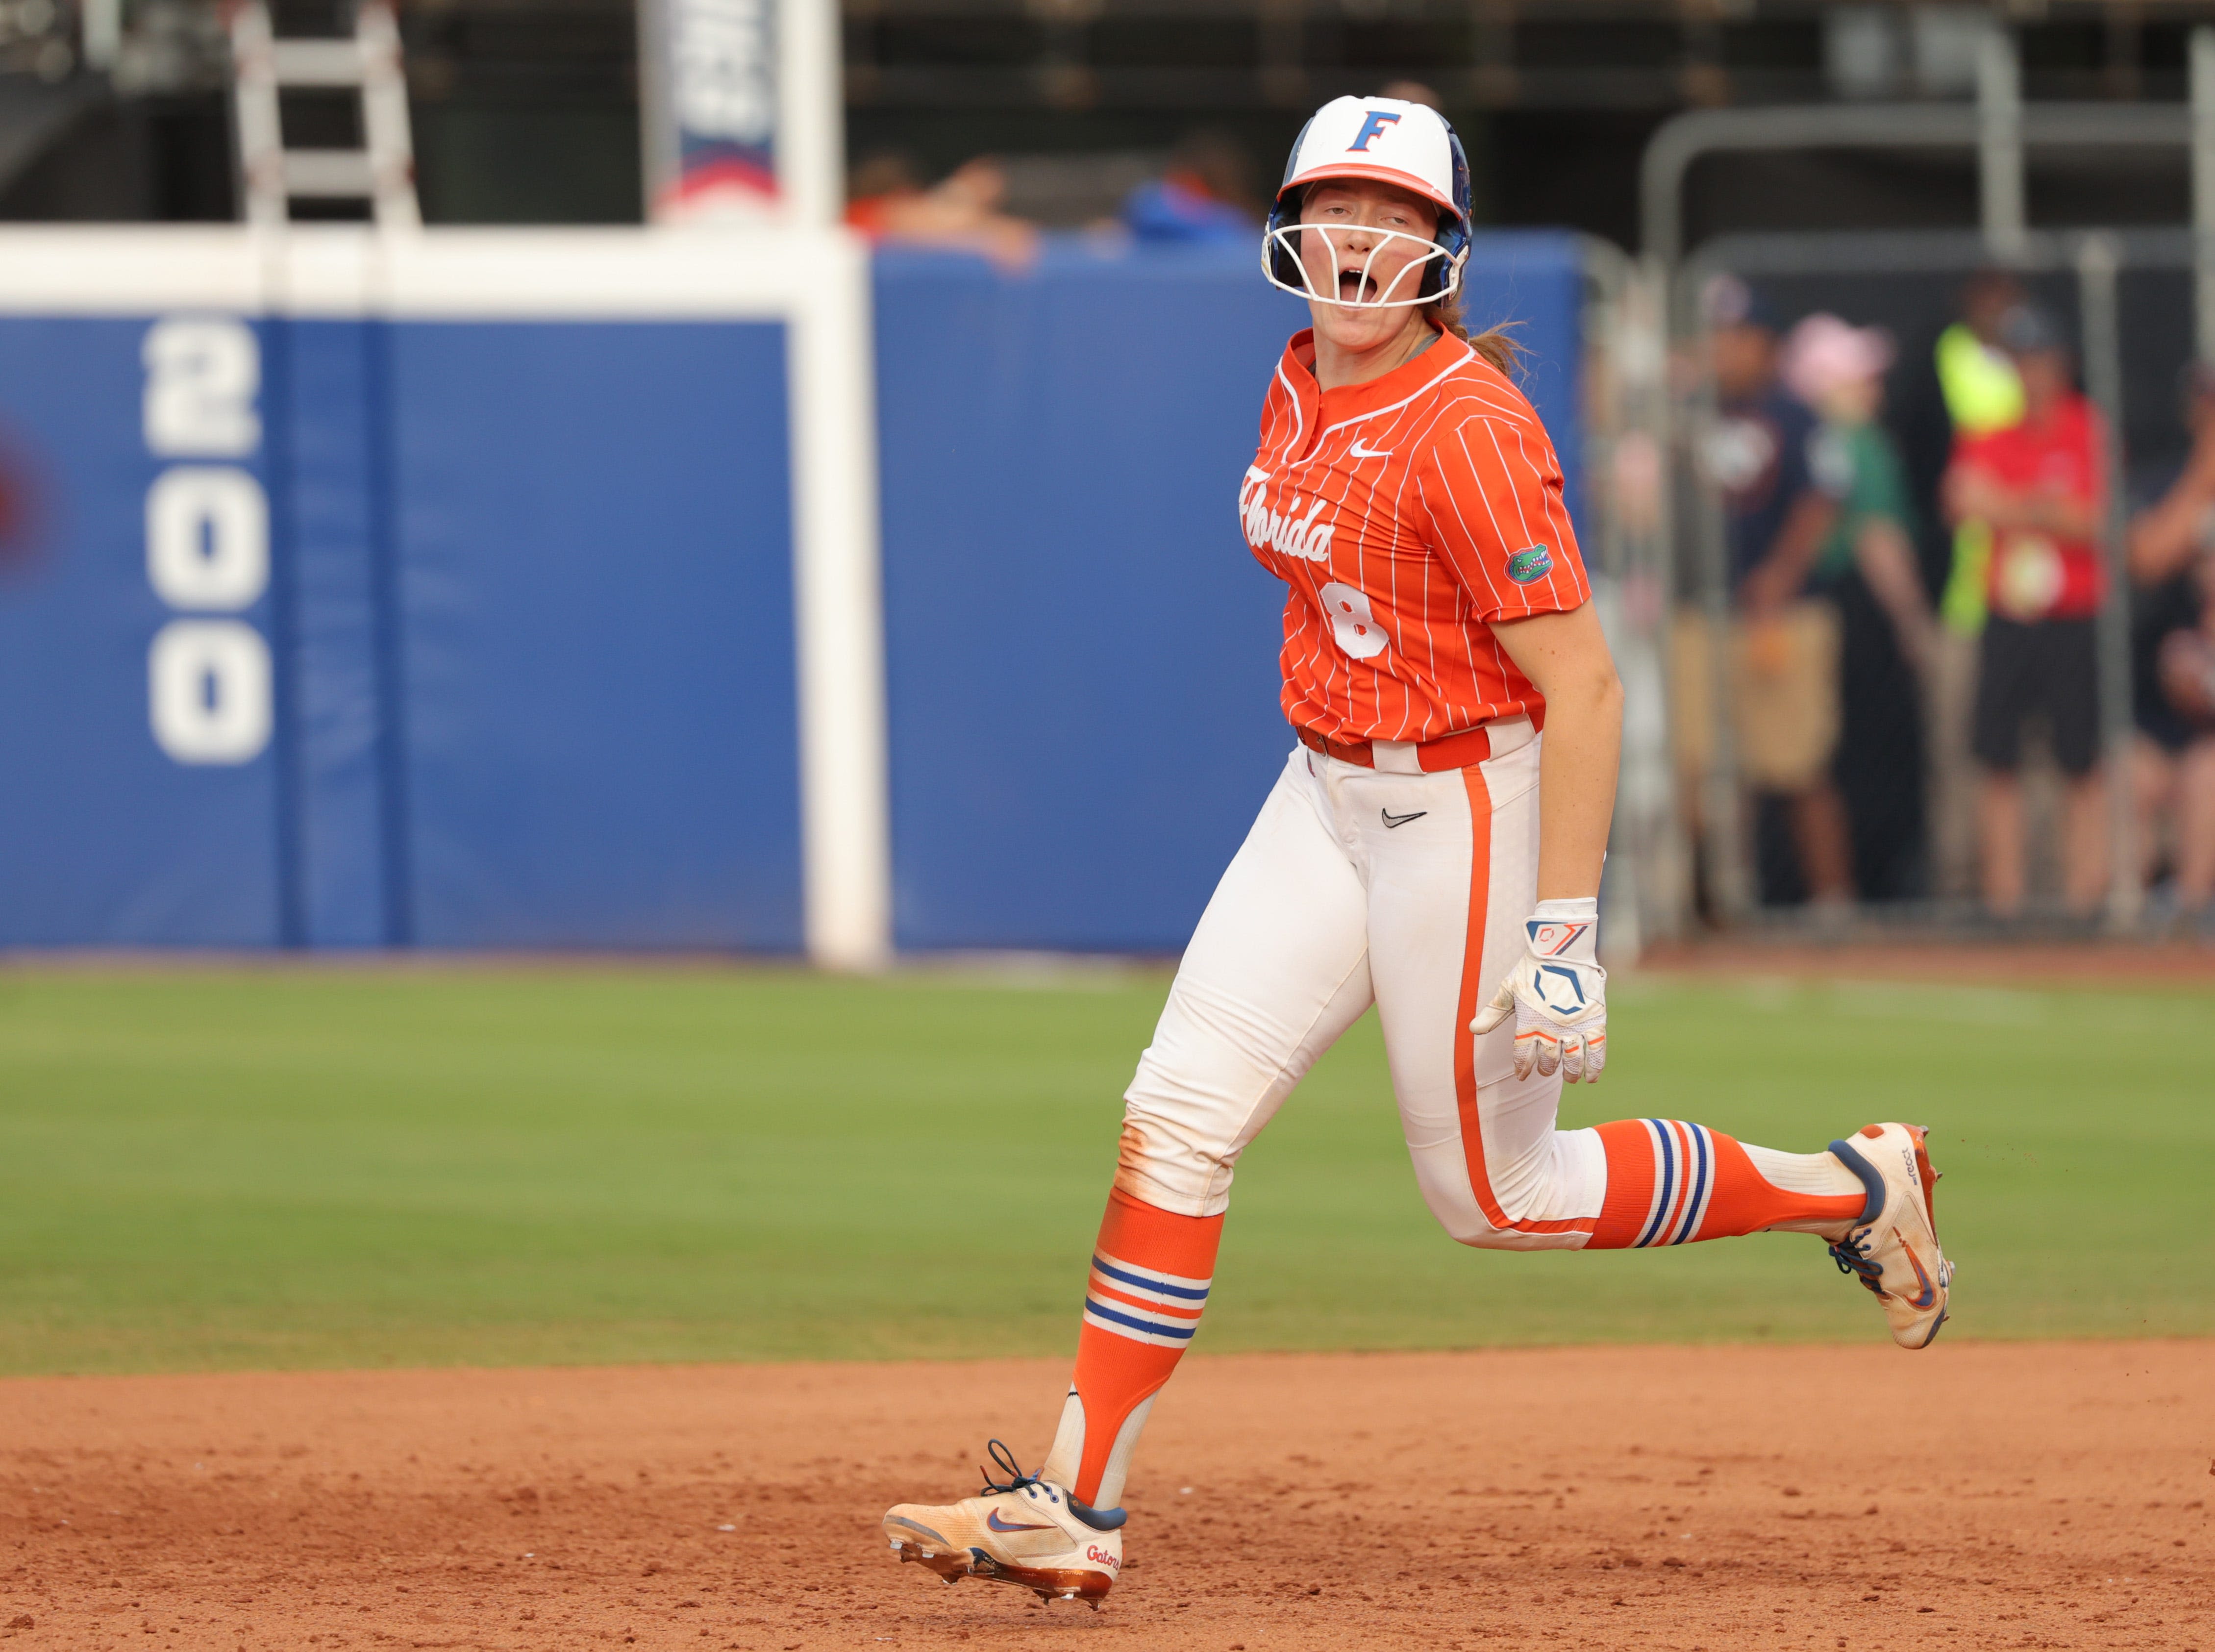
1100 1519
1005 1459
1854 1260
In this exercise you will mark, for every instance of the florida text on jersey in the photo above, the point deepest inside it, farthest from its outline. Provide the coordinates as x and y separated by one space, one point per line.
1406 514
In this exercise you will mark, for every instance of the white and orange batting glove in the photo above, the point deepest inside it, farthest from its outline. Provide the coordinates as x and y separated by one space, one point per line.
1558 993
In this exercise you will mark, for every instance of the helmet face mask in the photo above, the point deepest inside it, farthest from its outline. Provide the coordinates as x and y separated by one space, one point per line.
1436 270
1409 146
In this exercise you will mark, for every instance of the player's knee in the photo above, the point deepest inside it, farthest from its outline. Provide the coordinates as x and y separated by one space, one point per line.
1468 1226
1446 1191
1166 1161
1520 1210
1193 1106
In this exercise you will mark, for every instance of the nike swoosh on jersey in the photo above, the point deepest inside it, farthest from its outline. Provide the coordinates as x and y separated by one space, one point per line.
1392 819
1358 451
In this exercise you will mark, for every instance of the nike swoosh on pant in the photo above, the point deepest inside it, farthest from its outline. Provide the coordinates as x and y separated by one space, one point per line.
1392 819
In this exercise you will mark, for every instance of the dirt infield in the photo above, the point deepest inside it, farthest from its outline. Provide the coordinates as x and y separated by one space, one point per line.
1978 1495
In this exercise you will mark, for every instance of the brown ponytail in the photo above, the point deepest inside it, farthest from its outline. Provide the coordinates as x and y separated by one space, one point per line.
1497 345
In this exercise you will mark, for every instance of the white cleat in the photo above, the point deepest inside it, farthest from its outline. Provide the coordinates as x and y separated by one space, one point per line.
1028 1531
1895 1252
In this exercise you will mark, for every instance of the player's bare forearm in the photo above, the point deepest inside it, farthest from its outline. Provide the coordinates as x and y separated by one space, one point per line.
1576 784
1566 657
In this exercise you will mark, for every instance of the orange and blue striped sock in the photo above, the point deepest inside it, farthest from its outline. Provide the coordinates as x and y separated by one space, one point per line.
1150 1274
1670 1182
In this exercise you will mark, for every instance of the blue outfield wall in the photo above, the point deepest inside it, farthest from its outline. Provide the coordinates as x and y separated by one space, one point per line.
524 604
598 712
338 880
1080 651
104 840
528 615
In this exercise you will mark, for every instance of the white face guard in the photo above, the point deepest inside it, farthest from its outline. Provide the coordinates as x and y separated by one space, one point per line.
1406 281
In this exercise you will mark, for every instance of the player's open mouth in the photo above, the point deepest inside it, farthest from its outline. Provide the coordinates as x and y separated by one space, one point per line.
1354 287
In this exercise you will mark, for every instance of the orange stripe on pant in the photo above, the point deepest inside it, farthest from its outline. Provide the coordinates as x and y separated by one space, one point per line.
1474 989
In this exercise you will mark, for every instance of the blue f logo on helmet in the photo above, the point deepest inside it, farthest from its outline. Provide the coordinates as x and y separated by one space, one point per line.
1372 127
1409 145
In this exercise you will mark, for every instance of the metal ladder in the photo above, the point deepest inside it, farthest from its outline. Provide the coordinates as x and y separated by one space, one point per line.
382 172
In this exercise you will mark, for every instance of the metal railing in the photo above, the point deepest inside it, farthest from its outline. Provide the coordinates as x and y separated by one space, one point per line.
1999 127
2094 261
1646 891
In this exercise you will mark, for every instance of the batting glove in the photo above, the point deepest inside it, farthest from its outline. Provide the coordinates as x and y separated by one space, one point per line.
1558 993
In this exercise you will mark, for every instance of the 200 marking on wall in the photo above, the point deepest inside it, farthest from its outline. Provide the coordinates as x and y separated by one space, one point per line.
210 692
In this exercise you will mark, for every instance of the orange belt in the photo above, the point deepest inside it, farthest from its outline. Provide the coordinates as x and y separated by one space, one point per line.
1462 751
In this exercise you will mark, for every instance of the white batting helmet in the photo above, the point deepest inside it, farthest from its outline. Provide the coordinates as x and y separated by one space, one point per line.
1411 146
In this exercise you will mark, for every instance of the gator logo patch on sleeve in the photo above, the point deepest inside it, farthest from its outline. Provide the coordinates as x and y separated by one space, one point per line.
1530 565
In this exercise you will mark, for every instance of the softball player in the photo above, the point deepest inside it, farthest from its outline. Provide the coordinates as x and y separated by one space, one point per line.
1432 847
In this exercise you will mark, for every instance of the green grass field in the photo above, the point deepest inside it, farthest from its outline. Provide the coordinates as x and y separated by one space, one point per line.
334 1167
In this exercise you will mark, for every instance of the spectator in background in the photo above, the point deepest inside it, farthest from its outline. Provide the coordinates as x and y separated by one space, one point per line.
886 200
1412 91
1837 370
1983 393
1778 519
2039 484
1205 195
2172 563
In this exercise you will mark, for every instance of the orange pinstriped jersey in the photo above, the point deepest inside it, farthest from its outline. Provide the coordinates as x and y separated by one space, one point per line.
1405 514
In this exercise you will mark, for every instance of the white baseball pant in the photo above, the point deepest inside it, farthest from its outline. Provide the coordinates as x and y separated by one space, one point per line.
1356 886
